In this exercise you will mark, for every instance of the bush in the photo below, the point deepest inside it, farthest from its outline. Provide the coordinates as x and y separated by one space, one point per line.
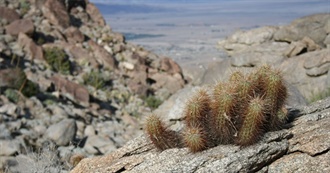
57 60
152 102
95 79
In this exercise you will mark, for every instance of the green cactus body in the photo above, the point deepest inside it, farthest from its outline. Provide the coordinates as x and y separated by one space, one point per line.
195 139
197 110
239 112
223 108
275 94
160 136
253 121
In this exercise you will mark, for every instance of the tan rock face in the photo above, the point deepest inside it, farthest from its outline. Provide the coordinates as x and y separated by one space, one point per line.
33 50
73 35
71 89
95 14
56 13
23 25
9 14
102 56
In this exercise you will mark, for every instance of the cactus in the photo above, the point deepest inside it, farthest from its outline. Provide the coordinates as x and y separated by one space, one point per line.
195 139
160 136
254 117
223 112
237 112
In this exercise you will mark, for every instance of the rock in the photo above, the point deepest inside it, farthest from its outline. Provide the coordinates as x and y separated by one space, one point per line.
63 132
171 82
9 147
95 14
70 89
268 53
169 66
56 13
320 65
327 41
4 132
313 26
74 35
296 48
33 50
278 151
22 25
96 144
9 14
304 79
241 40
102 56
82 56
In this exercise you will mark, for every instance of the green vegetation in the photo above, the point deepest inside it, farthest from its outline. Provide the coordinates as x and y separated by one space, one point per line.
57 60
320 95
24 6
12 95
237 112
95 79
152 101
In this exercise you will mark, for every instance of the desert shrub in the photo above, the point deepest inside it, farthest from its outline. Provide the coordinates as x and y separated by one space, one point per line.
57 60
152 101
95 79
319 96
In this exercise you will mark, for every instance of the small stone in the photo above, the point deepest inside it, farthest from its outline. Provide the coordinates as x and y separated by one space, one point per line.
63 132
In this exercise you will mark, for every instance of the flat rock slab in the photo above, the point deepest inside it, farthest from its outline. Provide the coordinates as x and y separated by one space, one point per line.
302 147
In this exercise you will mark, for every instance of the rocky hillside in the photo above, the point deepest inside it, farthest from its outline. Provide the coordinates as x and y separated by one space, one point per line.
301 51
70 86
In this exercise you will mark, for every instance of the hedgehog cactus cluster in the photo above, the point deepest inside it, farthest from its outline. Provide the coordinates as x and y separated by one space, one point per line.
237 112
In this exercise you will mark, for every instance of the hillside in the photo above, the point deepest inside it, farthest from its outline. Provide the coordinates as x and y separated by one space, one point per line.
70 86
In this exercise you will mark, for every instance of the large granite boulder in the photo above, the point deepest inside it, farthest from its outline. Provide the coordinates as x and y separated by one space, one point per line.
303 145
313 26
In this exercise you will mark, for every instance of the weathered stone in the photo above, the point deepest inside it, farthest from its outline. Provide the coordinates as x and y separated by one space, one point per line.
9 147
306 44
99 145
102 56
74 35
95 14
171 82
33 50
22 25
169 66
242 40
56 13
82 56
9 14
295 72
312 26
63 132
303 147
71 89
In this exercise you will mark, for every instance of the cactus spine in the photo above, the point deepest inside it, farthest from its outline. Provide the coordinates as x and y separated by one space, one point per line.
160 136
237 112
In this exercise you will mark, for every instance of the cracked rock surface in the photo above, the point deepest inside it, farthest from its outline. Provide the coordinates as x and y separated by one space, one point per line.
303 146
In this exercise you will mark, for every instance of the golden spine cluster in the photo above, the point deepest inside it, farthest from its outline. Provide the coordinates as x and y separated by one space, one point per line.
237 112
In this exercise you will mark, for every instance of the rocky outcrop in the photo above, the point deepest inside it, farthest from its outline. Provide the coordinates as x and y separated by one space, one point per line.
297 49
68 82
302 146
